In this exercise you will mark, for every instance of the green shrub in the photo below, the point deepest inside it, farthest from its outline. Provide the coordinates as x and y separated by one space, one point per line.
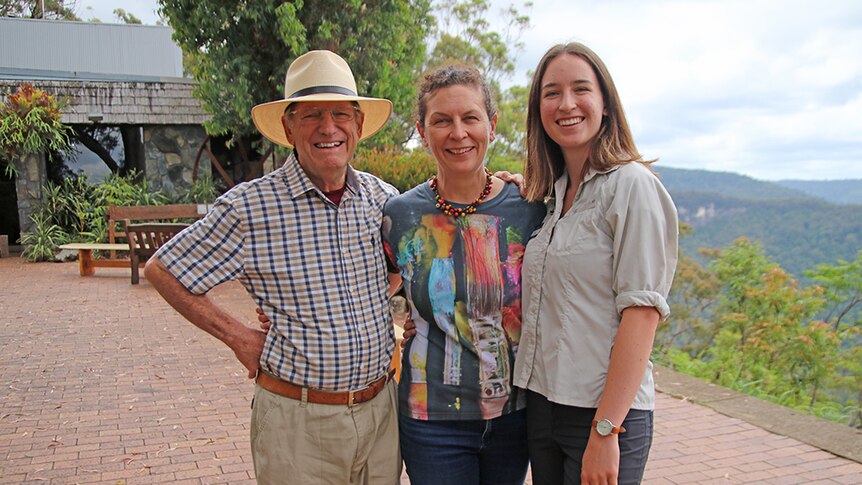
131 189
76 210
512 165
30 124
404 170
204 190
70 204
41 244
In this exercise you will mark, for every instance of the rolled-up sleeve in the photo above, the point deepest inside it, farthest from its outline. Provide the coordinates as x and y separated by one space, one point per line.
646 232
209 252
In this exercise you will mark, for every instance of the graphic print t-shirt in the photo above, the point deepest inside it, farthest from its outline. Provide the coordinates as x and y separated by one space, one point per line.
463 281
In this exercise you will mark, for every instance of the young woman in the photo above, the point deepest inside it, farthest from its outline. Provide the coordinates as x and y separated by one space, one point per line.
458 241
596 278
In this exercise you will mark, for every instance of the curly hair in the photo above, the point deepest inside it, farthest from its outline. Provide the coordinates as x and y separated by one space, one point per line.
452 75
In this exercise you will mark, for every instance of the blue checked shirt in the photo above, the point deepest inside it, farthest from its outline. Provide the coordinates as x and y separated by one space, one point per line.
315 268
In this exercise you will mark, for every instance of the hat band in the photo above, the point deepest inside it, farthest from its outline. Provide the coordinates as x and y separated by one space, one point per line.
322 90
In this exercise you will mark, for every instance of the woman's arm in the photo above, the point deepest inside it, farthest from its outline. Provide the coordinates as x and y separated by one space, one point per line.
629 358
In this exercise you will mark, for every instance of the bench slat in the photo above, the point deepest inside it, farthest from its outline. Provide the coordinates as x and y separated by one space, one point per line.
97 246
155 212
146 239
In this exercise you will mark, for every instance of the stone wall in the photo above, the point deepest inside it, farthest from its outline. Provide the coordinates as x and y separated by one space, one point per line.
171 118
31 178
169 153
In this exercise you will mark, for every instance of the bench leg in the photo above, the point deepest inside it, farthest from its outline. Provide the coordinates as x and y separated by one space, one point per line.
85 262
135 267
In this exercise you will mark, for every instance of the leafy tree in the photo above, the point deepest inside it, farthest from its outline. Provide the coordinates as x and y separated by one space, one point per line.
465 35
32 9
239 51
842 285
509 149
126 17
745 323
690 327
768 343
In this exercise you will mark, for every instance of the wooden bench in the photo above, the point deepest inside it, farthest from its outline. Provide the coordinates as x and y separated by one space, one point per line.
125 216
145 240
86 263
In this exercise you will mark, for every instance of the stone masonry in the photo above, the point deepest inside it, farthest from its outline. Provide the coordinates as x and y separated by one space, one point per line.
29 182
169 151
171 118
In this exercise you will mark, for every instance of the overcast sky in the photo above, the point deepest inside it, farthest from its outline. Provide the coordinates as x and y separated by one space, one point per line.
767 88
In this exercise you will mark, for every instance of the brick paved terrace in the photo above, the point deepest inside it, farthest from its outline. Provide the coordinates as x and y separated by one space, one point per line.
102 382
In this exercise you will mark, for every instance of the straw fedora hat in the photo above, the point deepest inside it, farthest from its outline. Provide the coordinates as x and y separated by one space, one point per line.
319 76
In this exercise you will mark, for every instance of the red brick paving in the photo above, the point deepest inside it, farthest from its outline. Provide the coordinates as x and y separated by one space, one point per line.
102 382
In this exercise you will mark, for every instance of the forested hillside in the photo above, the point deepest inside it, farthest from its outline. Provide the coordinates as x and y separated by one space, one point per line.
837 191
725 183
797 230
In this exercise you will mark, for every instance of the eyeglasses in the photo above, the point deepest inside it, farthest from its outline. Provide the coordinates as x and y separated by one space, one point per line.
315 115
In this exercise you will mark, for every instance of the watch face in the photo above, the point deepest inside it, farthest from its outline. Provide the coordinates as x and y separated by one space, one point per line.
604 427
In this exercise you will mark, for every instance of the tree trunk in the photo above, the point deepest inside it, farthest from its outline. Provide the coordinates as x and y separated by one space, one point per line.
95 147
133 146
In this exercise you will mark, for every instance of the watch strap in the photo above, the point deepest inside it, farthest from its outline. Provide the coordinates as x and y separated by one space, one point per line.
614 430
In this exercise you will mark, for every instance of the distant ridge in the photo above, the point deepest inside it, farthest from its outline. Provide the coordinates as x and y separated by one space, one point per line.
727 184
847 191
798 228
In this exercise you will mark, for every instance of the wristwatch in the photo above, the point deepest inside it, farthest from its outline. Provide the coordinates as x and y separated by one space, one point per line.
606 428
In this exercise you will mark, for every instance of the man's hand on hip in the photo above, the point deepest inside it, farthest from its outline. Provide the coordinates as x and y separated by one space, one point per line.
248 347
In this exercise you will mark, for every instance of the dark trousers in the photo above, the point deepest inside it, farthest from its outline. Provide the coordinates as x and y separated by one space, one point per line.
557 438
474 452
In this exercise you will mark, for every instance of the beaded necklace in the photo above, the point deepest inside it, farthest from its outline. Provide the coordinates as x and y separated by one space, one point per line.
447 208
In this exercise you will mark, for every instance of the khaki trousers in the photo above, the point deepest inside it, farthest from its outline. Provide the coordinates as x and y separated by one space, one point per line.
305 443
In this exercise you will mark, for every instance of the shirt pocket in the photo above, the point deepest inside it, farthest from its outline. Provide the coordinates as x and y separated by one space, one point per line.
579 231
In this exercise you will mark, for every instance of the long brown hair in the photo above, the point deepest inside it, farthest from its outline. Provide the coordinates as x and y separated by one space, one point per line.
613 144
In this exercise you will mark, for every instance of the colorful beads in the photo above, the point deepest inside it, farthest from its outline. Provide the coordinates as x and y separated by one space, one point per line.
447 208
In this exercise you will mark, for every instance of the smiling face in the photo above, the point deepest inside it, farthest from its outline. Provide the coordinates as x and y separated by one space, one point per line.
323 143
456 129
571 105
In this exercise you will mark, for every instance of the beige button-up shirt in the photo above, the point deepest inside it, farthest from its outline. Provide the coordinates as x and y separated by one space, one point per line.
615 248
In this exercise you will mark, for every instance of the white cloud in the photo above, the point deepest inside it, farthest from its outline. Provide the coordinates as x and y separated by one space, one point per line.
104 10
767 88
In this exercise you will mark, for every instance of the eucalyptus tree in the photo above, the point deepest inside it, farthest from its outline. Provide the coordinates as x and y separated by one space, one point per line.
239 51
33 9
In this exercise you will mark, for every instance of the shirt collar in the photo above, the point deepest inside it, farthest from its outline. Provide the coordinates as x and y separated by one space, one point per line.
560 184
298 182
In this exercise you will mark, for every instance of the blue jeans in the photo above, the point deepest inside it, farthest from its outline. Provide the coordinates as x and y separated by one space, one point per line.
558 437
470 452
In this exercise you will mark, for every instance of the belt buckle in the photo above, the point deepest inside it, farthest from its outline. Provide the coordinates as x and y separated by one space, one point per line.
351 395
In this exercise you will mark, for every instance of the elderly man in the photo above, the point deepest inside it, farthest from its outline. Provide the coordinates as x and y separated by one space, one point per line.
304 240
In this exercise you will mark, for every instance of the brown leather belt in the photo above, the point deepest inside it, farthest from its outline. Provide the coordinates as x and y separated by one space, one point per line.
292 391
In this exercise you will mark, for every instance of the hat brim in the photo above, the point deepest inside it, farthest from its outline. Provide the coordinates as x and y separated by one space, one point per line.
267 116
